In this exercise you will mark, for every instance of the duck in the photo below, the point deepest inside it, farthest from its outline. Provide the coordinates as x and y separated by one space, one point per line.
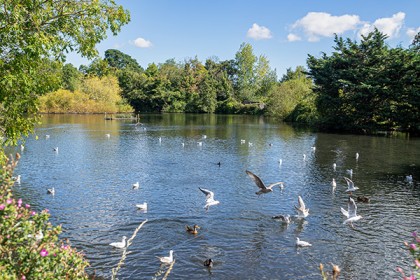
364 199
284 218
208 263
16 179
167 260
193 229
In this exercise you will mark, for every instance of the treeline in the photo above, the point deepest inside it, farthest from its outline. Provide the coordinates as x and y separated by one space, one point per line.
361 87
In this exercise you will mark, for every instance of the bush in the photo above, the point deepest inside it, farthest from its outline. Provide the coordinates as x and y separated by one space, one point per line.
29 245
414 248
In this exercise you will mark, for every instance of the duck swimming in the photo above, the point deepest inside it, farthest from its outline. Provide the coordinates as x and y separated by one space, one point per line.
364 199
208 263
192 230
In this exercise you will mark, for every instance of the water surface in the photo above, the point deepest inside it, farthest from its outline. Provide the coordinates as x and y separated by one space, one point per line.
93 174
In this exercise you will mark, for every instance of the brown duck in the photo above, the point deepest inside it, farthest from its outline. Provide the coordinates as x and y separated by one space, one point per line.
192 230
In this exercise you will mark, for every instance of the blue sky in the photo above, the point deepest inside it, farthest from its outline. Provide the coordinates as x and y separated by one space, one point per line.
283 31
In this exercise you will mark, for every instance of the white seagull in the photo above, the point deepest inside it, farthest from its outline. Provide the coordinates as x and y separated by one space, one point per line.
284 218
209 198
350 213
55 149
333 184
108 135
263 188
167 260
301 243
357 156
350 185
409 178
302 210
16 179
51 191
350 172
142 206
121 244
136 185
334 166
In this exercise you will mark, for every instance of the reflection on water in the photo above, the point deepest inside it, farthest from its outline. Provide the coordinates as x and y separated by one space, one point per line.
93 176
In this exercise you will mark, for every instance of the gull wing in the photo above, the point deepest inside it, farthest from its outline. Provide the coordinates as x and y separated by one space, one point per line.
352 208
209 194
350 183
301 204
345 212
257 180
274 184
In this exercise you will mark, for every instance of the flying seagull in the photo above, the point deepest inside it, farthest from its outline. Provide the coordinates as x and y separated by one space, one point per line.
209 198
302 210
350 185
263 188
284 218
351 212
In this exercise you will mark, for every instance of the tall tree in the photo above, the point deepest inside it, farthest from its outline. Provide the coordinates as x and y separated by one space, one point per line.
244 82
71 77
33 30
120 60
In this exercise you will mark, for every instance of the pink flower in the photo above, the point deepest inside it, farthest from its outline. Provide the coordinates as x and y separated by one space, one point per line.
9 201
414 233
27 206
43 253
33 213
417 263
20 202
2 206
413 247
23 277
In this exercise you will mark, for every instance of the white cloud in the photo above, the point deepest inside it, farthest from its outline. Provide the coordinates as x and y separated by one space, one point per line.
318 24
257 32
411 32
142 43
389 26
293 37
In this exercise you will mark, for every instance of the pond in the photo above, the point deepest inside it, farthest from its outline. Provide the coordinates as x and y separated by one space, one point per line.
173 155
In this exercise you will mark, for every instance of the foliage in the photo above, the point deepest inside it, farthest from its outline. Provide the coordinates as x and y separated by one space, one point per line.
31 32
292 93
367 86
414 249
97 95
121 61
29 245
71 77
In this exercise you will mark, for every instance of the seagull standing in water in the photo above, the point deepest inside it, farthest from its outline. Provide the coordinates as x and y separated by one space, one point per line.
302 210
167 260
142 206
351 212
209 198
263 188
301 243
333 184
350 185
136 185
121 244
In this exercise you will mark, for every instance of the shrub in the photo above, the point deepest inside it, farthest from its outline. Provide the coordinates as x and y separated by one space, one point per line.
29 244
414 248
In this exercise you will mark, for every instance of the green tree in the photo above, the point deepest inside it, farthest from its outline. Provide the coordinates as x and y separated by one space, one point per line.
245 78
121 61
31 31
71 77
367 86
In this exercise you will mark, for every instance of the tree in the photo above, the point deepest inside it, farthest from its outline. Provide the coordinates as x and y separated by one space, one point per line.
244 82
31 31
121 61
365 86
71 77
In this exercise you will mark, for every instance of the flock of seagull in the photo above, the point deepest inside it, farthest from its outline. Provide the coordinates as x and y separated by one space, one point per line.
302 211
